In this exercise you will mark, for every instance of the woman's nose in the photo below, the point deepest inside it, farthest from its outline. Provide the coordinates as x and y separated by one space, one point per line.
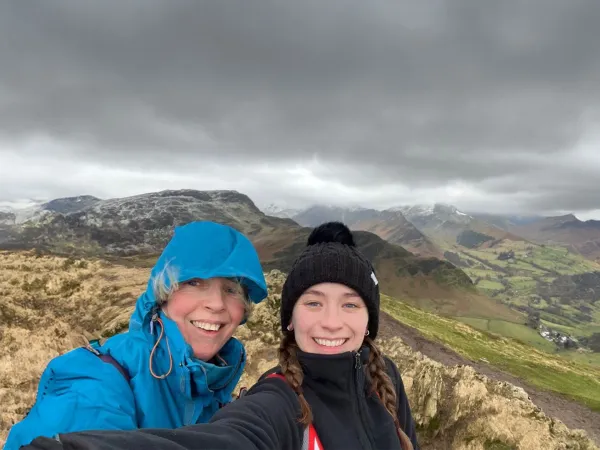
331 319
214 298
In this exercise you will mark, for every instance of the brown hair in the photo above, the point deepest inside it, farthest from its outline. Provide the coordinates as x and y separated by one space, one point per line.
380 381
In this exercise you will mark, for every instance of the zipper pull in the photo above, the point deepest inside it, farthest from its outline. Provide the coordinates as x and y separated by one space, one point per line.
358 364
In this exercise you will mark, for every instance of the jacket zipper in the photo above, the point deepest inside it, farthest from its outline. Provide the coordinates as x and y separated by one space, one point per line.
239 362
365 439
194 409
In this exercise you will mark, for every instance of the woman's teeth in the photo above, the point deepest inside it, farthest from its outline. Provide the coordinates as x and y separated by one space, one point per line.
207 326
330 342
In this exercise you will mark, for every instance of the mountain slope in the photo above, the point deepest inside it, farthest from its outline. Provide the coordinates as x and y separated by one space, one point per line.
446 224
506 221
70 204
389 225
579 236
428 283
7 226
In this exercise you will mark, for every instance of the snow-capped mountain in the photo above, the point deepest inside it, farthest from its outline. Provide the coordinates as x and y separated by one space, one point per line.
436 216
446 222
26 210
282 211
141 223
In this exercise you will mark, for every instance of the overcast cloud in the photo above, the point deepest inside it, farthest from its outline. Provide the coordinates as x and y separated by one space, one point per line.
491 106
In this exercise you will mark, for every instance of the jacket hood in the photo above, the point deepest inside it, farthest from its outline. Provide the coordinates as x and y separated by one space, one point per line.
203 250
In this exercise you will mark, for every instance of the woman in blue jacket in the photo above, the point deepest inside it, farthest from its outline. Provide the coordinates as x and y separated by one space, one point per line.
177 364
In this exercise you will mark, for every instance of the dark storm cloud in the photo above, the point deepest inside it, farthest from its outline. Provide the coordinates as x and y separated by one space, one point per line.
417 93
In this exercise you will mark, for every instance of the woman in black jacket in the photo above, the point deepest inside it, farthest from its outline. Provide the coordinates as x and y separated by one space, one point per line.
333 389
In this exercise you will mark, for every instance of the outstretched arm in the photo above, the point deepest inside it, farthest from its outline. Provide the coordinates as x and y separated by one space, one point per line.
77 391
266 418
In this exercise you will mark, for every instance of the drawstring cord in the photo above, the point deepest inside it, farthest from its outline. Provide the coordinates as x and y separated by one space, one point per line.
155 318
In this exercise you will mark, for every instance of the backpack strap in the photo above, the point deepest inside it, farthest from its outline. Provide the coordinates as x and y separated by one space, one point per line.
310 440
107 358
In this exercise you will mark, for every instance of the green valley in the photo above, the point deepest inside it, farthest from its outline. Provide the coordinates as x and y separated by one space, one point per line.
561 286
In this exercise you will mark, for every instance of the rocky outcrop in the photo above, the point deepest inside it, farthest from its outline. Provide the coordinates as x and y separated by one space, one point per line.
457 408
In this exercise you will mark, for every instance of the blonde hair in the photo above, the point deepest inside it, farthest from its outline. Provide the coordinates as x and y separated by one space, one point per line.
381 382
166 283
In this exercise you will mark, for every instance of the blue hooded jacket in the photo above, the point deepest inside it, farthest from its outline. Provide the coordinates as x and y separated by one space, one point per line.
79 391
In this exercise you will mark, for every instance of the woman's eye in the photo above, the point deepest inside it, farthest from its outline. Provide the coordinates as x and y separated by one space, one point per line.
312 304
351 305
196 283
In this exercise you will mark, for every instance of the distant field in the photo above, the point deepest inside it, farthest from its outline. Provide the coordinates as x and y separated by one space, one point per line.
525 280
490 285
572 375
519 332
523 283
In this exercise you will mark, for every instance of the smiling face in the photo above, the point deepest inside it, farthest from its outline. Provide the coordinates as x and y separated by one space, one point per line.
329 318
207 312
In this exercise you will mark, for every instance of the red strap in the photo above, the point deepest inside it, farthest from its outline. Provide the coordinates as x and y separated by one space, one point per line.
276 375
314 443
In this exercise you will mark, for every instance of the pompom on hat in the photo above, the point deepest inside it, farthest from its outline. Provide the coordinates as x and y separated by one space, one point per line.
331 256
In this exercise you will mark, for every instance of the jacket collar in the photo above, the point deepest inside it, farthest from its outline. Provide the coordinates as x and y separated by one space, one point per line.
336 371
197 377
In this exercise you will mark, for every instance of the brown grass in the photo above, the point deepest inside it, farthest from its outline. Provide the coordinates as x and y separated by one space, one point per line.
50 305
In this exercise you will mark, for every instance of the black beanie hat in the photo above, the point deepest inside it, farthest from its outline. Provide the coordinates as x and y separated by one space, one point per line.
331 256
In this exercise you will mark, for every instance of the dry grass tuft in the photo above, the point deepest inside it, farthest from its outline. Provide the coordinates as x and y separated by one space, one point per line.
50 305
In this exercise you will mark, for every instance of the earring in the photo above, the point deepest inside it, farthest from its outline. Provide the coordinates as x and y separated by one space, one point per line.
290 327
367 333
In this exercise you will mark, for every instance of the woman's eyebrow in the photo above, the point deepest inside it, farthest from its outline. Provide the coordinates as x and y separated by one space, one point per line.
315 292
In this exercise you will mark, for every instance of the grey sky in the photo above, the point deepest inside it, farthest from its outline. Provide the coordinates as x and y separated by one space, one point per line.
487 105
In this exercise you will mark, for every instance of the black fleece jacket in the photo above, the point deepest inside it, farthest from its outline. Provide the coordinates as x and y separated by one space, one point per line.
345 416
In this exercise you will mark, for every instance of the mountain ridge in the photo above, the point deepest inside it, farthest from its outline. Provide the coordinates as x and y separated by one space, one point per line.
389 225
577 235
139 226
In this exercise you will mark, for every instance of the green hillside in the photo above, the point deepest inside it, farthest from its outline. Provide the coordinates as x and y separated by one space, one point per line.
572 377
